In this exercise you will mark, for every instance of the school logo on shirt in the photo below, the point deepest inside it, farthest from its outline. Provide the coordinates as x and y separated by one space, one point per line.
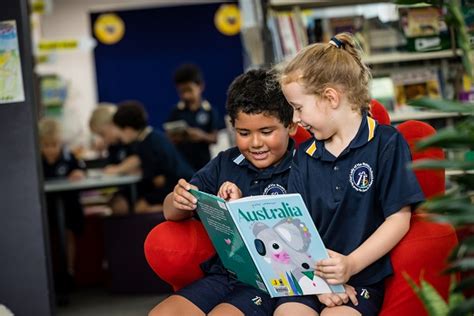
202 118
274 189
361 177
61 170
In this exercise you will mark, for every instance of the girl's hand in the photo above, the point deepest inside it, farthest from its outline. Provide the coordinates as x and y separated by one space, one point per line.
335 270
76 175
182 199
229 191
336 299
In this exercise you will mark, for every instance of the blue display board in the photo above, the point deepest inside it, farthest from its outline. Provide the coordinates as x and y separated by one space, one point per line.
156 41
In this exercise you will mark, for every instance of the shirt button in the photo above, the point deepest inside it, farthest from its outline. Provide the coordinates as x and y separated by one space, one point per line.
336 168
337 187
255 181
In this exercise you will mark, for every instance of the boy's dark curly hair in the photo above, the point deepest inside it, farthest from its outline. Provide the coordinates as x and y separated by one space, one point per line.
188 73
255 92
131 114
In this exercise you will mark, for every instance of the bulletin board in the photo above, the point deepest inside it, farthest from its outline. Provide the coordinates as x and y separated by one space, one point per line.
155 41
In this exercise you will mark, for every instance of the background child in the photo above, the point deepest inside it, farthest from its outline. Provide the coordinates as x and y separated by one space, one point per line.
353 178
201 118
259 164
58 162
159 161
102 125
120 157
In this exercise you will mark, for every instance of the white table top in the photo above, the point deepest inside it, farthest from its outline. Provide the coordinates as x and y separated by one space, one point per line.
89 183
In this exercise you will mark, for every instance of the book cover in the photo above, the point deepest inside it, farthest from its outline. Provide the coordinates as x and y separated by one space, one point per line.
267 241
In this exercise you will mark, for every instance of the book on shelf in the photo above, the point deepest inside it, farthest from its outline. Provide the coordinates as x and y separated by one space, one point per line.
416 83
267 241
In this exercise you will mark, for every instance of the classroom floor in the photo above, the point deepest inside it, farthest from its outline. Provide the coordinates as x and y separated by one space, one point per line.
100 302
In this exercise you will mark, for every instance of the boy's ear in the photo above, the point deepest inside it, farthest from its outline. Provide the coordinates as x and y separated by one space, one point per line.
292 128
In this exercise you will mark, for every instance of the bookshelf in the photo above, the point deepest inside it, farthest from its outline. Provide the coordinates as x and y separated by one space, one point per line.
398 57
291 23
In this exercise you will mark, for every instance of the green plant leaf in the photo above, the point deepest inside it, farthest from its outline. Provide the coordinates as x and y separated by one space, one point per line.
453 219
455 298
464 284
463 249
448 138
463 309
464 264
442 164
442 105
432 301
466 180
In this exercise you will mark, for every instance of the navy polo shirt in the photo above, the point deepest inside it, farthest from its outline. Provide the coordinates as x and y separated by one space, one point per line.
350 196
118 152
231 165
62 167
205 118
158 156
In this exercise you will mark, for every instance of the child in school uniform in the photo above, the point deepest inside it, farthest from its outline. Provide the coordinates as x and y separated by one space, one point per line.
59 163
353 177
200 116
260 164
120 159
160 163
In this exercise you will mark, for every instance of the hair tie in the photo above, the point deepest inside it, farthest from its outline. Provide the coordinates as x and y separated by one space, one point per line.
334 41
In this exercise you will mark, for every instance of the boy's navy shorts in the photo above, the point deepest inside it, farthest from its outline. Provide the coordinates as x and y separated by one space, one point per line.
215 289
370 300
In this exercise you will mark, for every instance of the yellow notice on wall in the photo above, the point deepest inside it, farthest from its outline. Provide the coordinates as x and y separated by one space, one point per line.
109 28
227 19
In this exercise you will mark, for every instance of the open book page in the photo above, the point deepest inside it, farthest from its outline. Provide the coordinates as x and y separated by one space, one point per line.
226 239
285 245
174 127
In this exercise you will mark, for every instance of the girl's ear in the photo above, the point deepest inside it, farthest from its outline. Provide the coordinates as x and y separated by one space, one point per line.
332 96
292 128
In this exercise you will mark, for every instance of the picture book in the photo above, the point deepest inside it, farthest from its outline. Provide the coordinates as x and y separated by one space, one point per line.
174 127
267 241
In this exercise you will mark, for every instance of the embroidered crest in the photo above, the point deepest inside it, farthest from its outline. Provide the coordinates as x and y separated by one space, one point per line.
274 189
62 170
365 294
361 177
257 300
202 118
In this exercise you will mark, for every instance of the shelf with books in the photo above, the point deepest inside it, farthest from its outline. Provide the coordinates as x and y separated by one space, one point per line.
395 57
419 115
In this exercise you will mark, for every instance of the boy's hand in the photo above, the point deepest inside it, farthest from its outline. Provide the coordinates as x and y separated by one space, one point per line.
195 134
336 299
335 270
229 191
76 175
182 199
159 181
111 169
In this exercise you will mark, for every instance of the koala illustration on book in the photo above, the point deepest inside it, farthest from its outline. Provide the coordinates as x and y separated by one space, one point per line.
284 246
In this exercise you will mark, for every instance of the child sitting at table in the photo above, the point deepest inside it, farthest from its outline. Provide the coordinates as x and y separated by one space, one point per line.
58 162
160 162
121 158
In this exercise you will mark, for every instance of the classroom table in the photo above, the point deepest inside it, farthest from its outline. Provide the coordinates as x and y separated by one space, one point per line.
89 183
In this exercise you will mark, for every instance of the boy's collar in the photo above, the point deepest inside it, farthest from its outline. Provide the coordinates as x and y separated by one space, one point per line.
205 105
242 161
144 133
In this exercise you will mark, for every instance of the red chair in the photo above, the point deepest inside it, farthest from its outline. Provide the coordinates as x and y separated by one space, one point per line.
423 252
379 113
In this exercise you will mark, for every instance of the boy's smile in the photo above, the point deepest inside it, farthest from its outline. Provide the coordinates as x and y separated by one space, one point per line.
261 138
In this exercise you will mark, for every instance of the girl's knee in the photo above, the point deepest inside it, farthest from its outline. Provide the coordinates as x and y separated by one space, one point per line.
299 309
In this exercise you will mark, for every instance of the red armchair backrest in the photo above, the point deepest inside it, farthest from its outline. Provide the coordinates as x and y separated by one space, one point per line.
379 113
432 182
